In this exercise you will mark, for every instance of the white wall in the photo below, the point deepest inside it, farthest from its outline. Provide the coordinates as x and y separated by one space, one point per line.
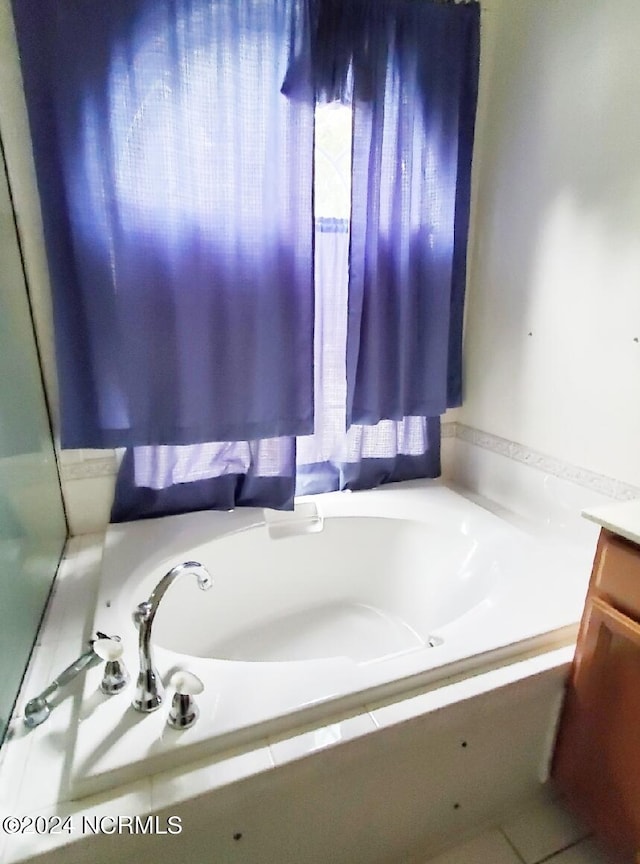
553 314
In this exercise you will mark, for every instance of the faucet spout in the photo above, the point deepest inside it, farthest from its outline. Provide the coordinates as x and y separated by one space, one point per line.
149 689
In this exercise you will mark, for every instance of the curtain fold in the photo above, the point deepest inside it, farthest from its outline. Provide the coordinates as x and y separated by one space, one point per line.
163 481
362 456
182 197
413 120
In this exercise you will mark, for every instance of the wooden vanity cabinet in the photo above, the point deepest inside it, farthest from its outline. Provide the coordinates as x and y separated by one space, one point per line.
597 757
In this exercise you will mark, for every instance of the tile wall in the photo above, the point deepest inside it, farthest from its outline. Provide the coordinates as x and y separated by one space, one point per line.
518 478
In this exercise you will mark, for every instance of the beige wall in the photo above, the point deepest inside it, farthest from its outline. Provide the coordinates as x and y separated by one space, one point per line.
553 314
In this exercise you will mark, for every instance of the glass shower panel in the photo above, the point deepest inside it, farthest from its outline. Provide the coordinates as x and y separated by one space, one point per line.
32 523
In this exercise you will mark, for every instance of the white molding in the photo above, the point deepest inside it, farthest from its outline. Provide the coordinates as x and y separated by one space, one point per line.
90 468
608 486
77 465
448 429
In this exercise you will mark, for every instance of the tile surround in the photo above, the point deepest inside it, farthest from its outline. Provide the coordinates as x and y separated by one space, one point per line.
134 799
88 476
88 503
448 693
83 465
607 486
87 464
319 739
74 591
171 787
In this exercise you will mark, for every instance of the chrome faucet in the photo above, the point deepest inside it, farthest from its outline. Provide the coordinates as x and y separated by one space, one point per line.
149 689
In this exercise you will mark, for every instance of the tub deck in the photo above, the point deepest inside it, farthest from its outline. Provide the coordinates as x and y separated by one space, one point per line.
316 677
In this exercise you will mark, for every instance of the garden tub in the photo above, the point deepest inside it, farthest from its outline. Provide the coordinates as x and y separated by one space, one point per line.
353 599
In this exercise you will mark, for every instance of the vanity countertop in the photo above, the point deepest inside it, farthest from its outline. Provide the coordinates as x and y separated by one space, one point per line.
620 517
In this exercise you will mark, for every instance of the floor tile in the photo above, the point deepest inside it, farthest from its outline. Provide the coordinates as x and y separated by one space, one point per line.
489 848
542 829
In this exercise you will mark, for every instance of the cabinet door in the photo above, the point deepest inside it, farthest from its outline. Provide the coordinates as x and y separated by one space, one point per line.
616 574
597 758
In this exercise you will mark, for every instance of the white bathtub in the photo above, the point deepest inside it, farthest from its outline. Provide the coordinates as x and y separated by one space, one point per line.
358 598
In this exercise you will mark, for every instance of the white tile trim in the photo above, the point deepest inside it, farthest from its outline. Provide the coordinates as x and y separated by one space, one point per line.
608 486
85 469
76 466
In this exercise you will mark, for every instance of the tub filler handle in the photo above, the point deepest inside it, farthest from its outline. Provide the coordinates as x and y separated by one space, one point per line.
115 677
149 688
184 711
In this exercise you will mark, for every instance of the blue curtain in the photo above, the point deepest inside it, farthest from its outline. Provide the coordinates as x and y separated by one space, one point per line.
414 74
174 150
162 481
363 456
183 301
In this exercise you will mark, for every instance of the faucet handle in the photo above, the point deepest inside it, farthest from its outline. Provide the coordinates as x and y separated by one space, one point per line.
184 711
115 676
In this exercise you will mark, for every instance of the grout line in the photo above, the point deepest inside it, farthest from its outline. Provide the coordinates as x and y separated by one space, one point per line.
562 849
511 845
